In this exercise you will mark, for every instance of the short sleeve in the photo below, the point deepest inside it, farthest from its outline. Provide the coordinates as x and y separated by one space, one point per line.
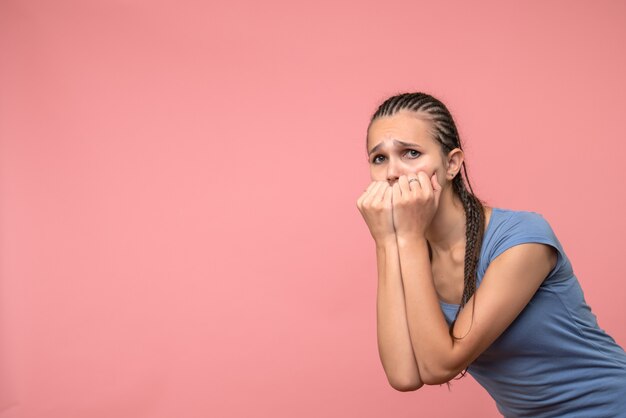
528 227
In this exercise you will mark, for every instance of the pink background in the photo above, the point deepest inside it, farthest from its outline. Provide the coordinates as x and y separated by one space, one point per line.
178 226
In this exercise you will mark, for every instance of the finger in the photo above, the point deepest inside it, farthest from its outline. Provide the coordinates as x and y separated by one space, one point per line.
434 181
403 182
380 192
386 202
365 193
414 184
388 194
371 195
436 188
425 182
396 195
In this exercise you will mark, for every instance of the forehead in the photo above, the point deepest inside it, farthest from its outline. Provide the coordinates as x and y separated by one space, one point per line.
404 126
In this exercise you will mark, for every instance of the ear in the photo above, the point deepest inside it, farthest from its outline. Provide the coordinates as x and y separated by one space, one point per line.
454 161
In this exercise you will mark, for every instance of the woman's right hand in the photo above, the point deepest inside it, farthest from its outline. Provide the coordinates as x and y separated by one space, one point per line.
376 208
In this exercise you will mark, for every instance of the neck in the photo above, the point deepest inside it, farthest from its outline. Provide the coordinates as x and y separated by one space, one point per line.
447 229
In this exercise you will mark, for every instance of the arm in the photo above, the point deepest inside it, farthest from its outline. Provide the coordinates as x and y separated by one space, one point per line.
394 344
508 285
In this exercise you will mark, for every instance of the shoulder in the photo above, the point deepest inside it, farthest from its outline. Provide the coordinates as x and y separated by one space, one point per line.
510 228
511 218
514 227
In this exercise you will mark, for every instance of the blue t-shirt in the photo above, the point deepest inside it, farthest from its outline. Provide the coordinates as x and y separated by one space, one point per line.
553 360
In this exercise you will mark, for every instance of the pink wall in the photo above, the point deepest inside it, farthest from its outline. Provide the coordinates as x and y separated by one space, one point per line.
178 226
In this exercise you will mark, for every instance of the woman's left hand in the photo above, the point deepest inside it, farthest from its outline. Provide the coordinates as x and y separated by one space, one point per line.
414 204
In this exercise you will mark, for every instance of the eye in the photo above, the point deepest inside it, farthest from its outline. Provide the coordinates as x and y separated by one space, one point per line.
411 153
378 159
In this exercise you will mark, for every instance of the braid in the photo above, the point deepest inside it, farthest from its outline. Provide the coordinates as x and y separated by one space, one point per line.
443 130
475 224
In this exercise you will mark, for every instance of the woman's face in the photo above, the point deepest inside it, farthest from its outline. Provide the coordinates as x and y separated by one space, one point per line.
401 145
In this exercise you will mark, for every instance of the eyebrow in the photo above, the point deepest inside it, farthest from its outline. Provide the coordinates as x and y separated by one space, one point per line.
397 142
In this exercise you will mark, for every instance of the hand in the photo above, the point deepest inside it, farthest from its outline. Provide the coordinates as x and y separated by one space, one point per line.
415 204
375 206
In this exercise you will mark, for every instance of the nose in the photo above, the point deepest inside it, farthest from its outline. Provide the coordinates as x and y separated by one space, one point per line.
393 172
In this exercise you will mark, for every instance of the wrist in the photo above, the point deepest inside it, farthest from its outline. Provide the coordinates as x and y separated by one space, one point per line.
385 242
404 239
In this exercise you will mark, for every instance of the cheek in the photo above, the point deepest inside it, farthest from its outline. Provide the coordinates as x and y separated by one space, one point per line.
376 174
421 164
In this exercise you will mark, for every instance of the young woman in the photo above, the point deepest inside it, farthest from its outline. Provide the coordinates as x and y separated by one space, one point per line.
463 286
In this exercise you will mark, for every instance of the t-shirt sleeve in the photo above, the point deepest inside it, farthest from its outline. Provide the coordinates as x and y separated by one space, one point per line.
527 227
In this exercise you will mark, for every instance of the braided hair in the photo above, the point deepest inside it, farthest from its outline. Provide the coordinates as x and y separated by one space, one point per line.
443 130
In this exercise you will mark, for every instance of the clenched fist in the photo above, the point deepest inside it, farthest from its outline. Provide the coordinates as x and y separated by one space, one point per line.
404 209
415 200
376 207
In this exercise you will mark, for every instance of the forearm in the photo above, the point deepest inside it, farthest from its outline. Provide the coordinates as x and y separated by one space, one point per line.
394 343
428 329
